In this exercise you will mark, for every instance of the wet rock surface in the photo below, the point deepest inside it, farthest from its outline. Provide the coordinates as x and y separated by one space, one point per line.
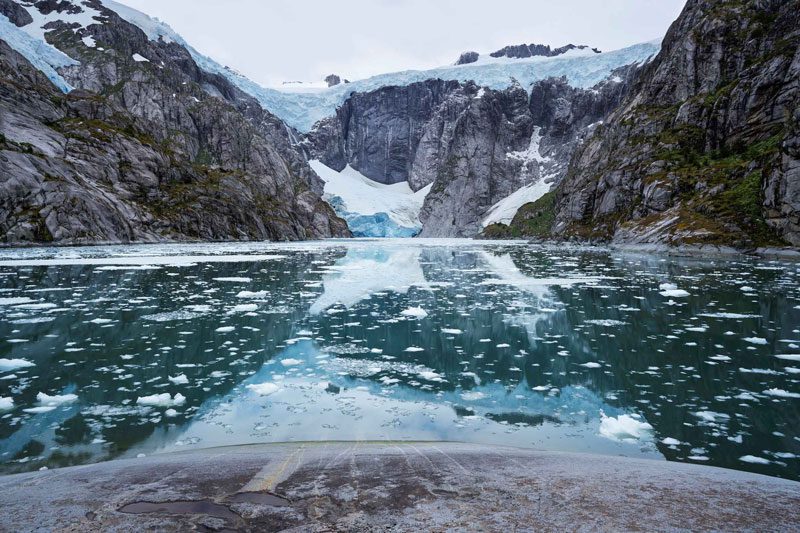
394 487
704 149
148 148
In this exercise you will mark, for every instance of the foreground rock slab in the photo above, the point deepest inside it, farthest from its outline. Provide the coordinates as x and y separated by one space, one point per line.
394 487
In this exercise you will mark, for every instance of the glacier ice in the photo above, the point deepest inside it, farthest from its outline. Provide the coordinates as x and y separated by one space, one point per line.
303 108
43 56
372 209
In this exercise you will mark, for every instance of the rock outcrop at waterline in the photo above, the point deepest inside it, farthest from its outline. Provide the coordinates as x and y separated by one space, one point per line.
706 148
148 147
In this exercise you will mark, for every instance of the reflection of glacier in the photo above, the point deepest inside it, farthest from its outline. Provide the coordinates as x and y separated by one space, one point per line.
528 314
363 272
507 273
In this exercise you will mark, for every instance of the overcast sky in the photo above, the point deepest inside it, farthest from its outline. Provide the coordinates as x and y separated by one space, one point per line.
272 41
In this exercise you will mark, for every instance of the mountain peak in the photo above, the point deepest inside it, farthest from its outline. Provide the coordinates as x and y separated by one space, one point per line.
524 51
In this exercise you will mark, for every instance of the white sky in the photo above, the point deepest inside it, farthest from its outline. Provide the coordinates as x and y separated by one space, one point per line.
272 41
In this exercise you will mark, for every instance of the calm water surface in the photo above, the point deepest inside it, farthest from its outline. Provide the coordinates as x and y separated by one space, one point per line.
122 351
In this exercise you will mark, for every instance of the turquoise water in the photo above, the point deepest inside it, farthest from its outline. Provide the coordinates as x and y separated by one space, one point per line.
121 351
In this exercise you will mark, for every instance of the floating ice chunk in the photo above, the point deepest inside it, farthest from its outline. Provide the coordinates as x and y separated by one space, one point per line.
244 308
754 460
780 393
51 401
745 396
413 349
669 441
415 312
763 371
728 315
171 316
234 280
291 362
784 356
430 375
101 321
503 345
710 416
14 301
6 404
170 413
605 322
448 331
252 295
225 329
592 365
179 380
162 400
674 293
263 389
624 428
473 396
756 340
7 365
37 306
40 410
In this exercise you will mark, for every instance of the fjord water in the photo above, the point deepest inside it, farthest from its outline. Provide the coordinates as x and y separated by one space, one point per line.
120 351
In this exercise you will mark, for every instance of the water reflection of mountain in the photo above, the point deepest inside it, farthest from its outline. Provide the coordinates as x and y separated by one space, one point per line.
111 335
517 342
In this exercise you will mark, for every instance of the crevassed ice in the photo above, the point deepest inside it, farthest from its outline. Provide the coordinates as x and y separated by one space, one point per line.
359 200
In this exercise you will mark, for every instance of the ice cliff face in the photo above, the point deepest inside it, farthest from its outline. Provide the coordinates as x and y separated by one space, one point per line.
145 146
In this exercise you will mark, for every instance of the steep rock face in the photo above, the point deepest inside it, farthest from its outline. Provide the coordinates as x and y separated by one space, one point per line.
705 149
377 133
521 51
475 146
15 13
149 147
467 57
503 141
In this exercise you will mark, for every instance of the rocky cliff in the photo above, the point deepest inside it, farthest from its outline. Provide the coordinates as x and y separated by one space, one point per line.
148 147
475 146
706 148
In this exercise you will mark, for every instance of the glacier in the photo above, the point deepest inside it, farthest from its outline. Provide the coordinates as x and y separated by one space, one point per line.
303 108
372 209
45 57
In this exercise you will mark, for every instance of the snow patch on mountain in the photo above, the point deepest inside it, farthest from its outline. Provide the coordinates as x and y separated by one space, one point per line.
372 209
86 17
504 211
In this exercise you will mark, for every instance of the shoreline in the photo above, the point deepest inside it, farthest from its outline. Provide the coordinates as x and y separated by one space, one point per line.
683 250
